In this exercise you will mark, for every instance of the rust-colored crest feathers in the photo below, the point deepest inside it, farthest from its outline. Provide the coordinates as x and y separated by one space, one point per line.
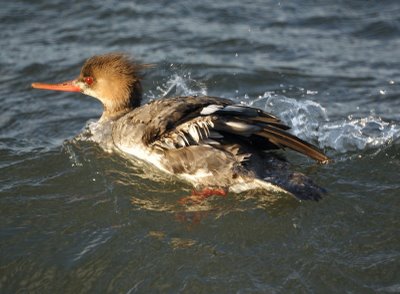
114 64
117 80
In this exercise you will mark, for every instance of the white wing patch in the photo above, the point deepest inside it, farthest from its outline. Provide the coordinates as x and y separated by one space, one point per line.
210 109
194 132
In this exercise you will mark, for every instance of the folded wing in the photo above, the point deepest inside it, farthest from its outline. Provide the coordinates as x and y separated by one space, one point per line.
215 124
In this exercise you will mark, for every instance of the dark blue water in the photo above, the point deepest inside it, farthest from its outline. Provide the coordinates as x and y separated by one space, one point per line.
76 219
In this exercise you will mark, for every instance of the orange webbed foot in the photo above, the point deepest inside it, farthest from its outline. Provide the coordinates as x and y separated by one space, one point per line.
199 196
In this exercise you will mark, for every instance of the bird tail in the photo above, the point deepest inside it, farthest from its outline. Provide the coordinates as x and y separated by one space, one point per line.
282 138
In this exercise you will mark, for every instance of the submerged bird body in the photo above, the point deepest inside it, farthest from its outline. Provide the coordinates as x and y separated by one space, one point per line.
208 141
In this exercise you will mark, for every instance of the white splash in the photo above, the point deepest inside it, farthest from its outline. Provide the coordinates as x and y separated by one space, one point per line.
181 85
309 121
358 133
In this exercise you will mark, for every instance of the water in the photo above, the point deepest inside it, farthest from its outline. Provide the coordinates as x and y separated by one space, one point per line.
75 219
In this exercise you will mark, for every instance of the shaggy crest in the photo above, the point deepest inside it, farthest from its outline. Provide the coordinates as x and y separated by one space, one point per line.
123 76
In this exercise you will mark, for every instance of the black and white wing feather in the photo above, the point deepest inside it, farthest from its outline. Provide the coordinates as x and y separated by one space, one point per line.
215 123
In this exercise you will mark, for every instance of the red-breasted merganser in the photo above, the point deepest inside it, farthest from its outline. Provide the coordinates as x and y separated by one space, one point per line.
211 142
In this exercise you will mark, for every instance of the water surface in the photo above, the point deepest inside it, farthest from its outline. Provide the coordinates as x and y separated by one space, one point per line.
76 219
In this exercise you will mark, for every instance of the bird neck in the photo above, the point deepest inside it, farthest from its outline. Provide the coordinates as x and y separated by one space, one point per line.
117 107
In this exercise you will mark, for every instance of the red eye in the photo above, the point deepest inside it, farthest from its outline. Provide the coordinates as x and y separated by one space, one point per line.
88 80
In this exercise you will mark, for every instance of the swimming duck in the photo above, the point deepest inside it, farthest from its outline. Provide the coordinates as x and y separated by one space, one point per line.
210 142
